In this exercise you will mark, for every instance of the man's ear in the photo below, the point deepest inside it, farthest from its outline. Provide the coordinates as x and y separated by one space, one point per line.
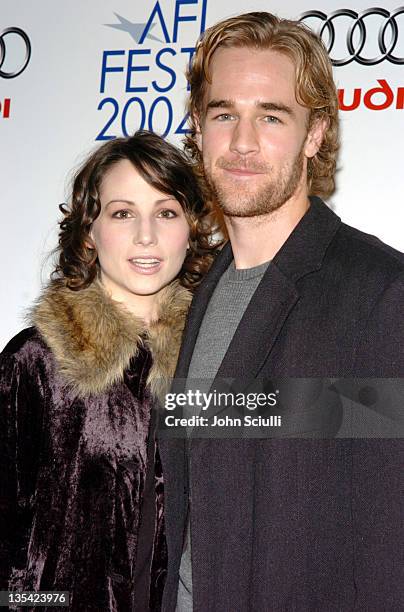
315 137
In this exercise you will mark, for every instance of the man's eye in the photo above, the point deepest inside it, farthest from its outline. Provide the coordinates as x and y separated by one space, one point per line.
271 119
167 214
121 214
224 117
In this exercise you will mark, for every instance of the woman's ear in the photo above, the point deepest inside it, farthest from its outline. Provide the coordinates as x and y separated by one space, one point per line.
89 241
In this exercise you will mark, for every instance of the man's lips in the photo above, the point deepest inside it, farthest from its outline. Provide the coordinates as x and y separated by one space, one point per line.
243 171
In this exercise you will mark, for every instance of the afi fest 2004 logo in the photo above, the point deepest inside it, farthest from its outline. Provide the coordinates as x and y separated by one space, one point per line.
149 73
142 83
15 54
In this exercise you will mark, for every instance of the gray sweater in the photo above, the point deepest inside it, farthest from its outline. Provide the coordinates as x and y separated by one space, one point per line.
225 311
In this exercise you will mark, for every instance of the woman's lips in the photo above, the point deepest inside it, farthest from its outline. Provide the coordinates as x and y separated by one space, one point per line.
146 265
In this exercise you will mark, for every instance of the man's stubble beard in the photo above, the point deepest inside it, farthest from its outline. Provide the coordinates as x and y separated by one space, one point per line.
237 202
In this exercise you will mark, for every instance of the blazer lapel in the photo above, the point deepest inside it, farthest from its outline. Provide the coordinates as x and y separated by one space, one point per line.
260 325
277 293
272 302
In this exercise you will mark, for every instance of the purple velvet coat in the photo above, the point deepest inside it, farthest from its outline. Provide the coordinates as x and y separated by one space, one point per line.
81 483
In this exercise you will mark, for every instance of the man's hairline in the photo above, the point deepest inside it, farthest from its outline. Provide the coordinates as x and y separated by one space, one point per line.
200 112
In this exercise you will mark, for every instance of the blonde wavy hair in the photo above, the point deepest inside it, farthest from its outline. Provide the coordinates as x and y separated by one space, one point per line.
315 87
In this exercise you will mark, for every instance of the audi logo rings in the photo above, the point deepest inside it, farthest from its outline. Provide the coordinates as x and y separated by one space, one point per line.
355 48
20 68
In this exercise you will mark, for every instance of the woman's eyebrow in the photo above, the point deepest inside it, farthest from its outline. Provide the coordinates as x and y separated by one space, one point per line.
132 203
121 201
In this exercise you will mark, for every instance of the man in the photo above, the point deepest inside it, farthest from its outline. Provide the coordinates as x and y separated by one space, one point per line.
283 524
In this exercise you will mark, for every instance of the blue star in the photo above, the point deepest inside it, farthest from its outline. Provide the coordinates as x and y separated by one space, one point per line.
135 30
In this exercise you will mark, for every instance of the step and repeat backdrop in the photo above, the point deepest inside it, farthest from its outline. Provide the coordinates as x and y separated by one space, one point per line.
74 74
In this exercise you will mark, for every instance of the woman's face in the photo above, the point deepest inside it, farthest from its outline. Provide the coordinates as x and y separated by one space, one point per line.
141 236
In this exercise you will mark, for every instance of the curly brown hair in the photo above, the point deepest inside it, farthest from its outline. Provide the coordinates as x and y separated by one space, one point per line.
166 169
315 87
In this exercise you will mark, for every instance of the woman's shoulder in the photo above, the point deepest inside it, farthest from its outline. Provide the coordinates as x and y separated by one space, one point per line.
24 346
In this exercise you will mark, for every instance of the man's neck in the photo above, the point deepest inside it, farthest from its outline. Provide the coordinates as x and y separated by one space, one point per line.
255 240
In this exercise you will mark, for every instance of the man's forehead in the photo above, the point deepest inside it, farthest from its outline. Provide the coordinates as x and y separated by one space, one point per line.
251 56
263 76
235 65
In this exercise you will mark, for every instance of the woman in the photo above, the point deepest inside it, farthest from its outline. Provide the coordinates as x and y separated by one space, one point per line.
82 492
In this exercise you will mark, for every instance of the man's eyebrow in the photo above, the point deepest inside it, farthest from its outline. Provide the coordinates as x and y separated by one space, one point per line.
276 106
267 106
220 104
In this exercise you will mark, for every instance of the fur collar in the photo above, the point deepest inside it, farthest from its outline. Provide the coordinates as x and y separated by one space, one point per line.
93 337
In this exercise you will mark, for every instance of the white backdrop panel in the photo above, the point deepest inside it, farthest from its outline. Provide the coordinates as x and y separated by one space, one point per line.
57 109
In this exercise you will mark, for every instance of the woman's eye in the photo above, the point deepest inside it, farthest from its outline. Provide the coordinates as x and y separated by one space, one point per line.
121 214
167 214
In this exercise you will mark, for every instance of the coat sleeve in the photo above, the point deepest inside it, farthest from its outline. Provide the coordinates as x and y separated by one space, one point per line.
380 351
377 474
159 559
9 391
19 451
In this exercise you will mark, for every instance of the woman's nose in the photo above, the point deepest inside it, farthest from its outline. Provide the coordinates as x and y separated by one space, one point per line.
145 232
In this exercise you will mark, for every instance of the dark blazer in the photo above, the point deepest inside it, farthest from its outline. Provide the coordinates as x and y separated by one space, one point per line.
297 525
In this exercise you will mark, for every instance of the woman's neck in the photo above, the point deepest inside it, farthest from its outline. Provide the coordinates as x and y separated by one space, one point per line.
144 307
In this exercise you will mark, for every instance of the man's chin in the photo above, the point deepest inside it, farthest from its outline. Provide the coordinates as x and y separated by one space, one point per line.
237 201
241 209
240 198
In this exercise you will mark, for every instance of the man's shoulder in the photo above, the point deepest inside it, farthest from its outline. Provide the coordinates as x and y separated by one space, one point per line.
371 246
366 254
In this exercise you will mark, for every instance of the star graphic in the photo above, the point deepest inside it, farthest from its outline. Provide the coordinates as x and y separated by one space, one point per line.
135 30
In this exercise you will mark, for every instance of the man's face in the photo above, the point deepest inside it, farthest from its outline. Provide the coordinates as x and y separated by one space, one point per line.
254 135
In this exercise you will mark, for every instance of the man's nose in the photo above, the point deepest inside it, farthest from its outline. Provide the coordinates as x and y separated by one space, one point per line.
244 138
145 232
